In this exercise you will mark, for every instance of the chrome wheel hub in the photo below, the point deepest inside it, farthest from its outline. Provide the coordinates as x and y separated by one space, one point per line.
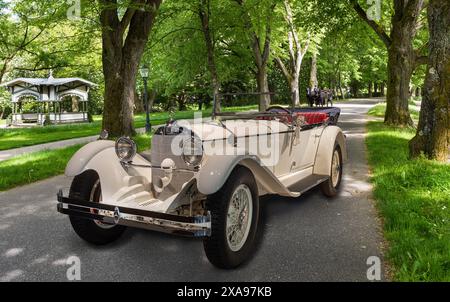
239 217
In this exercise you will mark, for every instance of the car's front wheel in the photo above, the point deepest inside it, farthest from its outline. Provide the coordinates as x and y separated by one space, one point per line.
87 187
234 219
331 186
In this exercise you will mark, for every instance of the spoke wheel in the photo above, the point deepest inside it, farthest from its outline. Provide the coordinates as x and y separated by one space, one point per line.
239 217
234 219
335 168
96 196
331 186
87 186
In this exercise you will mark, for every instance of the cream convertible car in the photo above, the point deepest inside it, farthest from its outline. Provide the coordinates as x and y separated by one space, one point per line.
204 179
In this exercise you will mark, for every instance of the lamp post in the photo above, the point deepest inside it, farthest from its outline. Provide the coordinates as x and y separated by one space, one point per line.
144 74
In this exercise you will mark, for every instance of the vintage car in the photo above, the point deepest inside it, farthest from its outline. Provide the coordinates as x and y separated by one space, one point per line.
204 178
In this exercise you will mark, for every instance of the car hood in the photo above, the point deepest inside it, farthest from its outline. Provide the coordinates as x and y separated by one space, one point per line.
212 129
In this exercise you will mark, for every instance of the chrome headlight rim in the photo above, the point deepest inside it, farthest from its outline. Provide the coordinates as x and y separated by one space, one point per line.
192 160
122 143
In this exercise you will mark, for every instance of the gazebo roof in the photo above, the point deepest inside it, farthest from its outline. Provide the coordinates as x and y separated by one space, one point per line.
46 81
48 89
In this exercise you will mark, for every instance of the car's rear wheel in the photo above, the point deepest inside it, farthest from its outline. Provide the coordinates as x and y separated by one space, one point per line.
234 219
330 187
87 187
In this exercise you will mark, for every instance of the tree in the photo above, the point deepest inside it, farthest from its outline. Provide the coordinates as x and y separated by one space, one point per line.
204 12
433 132
402 57
259 34
123 40
297 49
313 73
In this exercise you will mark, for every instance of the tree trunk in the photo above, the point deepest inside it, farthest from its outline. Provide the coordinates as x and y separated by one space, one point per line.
370 89
204 12
139 106
263 88
296 53
400 68
340 86
293 85
120 84
123 44
382 89
313 74
402 58
433 132
417 93
151 99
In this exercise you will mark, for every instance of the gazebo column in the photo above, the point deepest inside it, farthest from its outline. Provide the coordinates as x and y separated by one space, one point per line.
13 118
86 110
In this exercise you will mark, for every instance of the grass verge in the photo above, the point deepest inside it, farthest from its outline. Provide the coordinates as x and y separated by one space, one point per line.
380 109
28 168
22 137
414 199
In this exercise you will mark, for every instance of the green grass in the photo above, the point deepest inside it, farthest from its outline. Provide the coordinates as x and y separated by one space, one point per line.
21 137
28 168
414 200
379 110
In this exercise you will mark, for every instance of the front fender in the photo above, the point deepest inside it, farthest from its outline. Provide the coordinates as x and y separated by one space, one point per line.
117 183
330 136
81 158
216 170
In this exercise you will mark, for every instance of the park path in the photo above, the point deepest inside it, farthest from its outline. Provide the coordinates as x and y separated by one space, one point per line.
8 154
310 238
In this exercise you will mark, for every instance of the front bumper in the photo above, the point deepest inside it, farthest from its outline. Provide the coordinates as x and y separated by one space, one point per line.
196 226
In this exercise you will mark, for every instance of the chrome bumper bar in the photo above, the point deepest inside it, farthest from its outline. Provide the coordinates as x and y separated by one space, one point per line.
196 226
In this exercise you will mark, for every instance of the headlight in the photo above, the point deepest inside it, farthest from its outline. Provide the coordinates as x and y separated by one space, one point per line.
125 149
192 151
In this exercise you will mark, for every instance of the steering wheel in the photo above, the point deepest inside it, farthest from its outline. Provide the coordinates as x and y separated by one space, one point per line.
284 118
276 107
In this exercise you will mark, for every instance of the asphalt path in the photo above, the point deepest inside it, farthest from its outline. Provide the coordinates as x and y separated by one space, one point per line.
310 238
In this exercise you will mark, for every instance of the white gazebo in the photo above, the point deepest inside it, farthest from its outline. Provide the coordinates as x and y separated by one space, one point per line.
63 100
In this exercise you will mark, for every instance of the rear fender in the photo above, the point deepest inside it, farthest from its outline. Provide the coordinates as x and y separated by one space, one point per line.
330 136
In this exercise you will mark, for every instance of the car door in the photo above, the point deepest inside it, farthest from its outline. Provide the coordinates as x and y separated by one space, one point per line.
305 148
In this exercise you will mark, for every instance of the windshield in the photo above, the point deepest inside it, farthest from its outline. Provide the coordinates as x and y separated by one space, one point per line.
249 104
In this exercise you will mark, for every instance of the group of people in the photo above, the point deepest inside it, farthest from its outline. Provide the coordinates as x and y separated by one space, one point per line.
319 97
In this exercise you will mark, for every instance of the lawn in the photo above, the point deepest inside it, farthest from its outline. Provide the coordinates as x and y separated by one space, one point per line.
413 197
28 168
15 138
379 110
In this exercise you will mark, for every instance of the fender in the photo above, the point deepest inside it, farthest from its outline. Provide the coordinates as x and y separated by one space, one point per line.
329 137
214 173
80 159
117 183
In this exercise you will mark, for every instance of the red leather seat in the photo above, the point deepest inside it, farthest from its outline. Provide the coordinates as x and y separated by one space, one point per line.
313 118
